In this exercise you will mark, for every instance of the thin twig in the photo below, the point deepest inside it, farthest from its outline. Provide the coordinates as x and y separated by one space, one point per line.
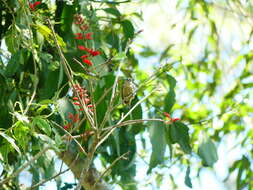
68 73
46 180
103 96
112 97
107 169
71 137
86 166
26 165
131 122
107 134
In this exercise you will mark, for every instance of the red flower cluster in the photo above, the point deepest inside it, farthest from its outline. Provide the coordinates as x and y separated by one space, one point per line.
80 21
83 96
90 52
73 118
87 36
171 120
33 5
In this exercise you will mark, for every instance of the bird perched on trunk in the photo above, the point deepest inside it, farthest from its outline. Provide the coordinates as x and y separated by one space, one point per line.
128 91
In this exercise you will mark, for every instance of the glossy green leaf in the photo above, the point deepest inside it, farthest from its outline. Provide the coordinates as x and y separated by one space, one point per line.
120 56
112 11
65 107
137 114
208 152
170 97
21 131
113 39
11 141
128 29
187 179
179 133
47 33
43 125
14 64
157 137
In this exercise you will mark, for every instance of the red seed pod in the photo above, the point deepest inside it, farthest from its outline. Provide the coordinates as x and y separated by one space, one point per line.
70 115
76 118
33 5
166 115
95 53
67 126
75 98
175 119
84 56
77 103
87 61
84 27
88 36
78 19
86 100
78 36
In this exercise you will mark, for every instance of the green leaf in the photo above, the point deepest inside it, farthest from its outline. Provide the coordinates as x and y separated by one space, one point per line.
112 11
156 133
65 107
179 134
113 39
170 98
44 30
120 56
147 52
21 131
14 64
57 138
208 153
49 167
4 151
46 139
128 29
43 125
187 179
136 114
47 33
11 141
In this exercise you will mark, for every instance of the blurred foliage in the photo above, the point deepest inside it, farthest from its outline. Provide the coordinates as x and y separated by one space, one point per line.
205 80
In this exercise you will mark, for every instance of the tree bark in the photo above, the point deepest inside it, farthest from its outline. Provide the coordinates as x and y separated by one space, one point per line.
76 164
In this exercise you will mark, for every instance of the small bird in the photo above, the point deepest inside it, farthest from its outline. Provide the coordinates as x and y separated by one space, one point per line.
128 91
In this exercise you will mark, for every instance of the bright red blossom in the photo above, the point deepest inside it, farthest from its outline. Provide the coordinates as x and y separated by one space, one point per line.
70 115
84 98
75 98
166 114
79 36
171 120
175 119
88 36
67 126
88 62
84 56
76 118
77 103
33 5
84 48
95 53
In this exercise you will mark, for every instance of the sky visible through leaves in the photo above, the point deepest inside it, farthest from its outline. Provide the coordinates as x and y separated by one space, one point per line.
158 17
